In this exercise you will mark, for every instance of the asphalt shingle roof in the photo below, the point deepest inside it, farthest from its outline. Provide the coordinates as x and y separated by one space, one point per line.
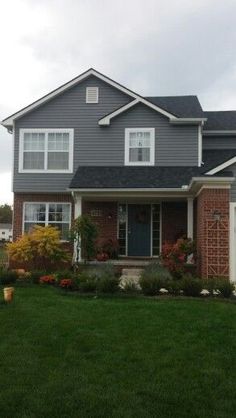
180 106
147 177
220 120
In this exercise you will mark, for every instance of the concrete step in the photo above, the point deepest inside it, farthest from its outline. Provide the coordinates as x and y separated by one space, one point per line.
132 272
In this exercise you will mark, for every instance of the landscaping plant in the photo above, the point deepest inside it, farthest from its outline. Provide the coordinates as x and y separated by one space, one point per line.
191 286
39 248
48 279
84 233
8 277
225 287
175 256
153 278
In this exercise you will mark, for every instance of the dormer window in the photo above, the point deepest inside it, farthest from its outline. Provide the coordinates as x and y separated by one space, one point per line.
139 146
92 95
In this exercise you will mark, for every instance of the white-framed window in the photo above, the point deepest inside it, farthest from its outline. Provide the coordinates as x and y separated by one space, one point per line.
46 150
139 146
91 94
50 213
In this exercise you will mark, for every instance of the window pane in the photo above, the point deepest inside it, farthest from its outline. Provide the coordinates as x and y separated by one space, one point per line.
58 141
139 154
33 160
35 212
63 228
34 141
58 161
28 226
59 213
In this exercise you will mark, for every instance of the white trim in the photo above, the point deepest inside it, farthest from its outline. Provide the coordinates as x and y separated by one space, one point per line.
190 218
8 121
199 146
209 186
222 166
232 241
96 90
46 213
152 146
188 121
46 131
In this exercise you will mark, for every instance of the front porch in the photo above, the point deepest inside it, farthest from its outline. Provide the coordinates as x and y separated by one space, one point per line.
142 223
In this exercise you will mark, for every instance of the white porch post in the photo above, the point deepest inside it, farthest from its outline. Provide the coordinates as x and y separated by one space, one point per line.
190 218
77 212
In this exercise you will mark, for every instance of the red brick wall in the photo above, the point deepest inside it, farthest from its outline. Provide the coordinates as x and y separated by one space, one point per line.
107 222
174 221
20 198
212 234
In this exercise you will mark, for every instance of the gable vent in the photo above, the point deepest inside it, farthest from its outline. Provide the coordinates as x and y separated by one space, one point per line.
92 95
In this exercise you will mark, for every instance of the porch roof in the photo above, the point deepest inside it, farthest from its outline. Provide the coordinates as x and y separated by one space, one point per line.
136 177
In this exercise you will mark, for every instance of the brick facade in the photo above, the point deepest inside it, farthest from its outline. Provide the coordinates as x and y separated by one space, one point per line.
104 214
213 232
174 221
20 198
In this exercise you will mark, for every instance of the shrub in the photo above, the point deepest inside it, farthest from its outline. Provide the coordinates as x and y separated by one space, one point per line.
86 283
8 277
84 233
174 286
211 284
129 284
225 287
151 285
41 246
48 279
191 286
64 274
175 256
108 246
108 284
66 283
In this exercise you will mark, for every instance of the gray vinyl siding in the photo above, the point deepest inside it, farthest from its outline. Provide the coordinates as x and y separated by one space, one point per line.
101 146
219 142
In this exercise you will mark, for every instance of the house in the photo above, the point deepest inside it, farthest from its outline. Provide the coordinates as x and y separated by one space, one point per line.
147 169
5 232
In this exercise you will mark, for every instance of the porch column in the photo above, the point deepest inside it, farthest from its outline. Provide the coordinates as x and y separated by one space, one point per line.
190 218
77 212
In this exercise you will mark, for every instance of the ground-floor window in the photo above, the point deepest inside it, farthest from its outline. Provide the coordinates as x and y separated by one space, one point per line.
54 214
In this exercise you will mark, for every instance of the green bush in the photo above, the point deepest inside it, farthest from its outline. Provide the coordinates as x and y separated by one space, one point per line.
108 284
8 277
210 284
153 278
64 274
191 286
174 286
85 283
225 287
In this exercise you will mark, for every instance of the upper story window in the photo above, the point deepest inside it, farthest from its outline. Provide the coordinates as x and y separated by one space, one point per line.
139 146
91 94
46 150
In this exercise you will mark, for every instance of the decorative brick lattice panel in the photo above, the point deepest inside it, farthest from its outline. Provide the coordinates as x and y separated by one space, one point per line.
217 248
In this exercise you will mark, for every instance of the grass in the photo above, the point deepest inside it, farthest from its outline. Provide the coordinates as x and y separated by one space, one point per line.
71 356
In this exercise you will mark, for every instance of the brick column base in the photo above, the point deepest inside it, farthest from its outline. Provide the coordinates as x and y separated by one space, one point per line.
213 233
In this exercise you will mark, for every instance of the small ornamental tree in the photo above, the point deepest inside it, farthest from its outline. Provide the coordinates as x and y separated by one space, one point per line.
84 233
40 248
175 256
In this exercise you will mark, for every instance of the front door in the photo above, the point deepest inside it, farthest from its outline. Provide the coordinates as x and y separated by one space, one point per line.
139 230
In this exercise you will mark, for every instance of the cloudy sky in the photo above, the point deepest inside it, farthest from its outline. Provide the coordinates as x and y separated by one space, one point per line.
154 47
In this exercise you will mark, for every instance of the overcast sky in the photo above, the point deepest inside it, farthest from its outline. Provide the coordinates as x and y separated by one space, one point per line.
154 47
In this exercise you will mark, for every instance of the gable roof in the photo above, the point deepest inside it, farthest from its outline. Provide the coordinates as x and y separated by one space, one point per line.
171 107
220 120
8 122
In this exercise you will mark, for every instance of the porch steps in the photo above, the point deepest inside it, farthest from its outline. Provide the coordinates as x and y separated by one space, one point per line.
131 273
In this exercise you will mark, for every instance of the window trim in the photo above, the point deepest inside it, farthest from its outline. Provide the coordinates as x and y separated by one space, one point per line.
87 94
70 131
152 146
46 213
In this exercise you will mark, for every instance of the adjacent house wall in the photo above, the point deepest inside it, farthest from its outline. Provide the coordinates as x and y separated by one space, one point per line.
99 145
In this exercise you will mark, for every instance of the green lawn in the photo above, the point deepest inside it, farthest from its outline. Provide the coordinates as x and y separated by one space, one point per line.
71 356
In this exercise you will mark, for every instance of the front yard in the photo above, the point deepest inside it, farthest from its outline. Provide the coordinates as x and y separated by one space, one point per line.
64 355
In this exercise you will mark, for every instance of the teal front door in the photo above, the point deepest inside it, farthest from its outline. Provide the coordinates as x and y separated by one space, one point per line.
139 230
